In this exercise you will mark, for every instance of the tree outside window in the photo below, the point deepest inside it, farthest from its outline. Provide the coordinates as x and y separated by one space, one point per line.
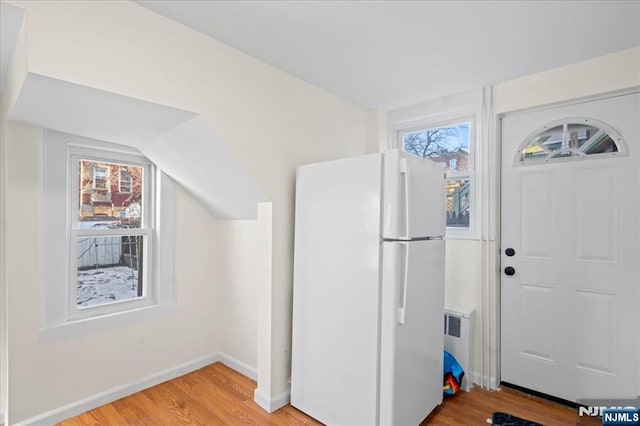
450 147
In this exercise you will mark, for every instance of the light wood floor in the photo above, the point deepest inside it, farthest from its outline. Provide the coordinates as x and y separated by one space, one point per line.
218 395
478 405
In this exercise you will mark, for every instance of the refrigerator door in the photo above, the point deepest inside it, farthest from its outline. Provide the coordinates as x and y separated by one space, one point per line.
414 197
412 344
336 291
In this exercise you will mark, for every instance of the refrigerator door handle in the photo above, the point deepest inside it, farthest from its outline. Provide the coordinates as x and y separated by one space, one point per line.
405 283
404 170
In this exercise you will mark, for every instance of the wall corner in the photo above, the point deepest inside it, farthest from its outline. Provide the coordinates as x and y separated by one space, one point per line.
377 137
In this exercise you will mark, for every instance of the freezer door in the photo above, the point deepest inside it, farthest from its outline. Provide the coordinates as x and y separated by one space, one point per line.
414 196
411 344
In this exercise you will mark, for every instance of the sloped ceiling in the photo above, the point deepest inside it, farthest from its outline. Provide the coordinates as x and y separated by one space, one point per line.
179 142
72 108
390 54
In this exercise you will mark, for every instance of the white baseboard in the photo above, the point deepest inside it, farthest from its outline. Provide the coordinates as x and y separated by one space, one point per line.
75 408
273 404
262 400
493 383
281 400
239 366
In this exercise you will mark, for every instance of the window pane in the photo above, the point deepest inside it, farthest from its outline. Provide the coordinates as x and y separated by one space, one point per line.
578 134
599 144
542 144
110 195
109 269
458 199
448 146
571 140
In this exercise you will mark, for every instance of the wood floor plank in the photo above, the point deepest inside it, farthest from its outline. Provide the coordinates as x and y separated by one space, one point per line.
221 408
139 410
105 415
239 385
218 395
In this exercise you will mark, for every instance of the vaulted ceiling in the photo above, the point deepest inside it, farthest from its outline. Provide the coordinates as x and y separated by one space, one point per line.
389 54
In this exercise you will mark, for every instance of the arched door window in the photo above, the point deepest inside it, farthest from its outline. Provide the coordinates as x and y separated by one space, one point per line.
570 139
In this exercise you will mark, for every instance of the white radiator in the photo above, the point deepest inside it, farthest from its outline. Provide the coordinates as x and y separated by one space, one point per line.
458 340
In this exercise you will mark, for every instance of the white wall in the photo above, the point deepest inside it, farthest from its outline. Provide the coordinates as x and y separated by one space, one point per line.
11 83
607 73
463 272
237 278
270 121
3 287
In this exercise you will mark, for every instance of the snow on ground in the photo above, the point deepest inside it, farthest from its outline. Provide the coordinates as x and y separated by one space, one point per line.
106 285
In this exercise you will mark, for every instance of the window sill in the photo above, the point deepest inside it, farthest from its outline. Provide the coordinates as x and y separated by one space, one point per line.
85 326
466 236
460 233
470 237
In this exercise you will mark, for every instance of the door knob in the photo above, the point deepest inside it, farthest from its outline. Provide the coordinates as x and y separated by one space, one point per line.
509 270
509 252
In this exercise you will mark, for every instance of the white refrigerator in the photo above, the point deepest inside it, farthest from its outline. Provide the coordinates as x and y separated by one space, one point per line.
368 291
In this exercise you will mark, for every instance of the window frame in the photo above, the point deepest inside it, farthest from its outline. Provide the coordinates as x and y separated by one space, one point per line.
565 122
56 322
398 130
76 154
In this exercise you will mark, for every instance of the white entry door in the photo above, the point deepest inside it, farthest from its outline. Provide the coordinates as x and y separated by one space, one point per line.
570 251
